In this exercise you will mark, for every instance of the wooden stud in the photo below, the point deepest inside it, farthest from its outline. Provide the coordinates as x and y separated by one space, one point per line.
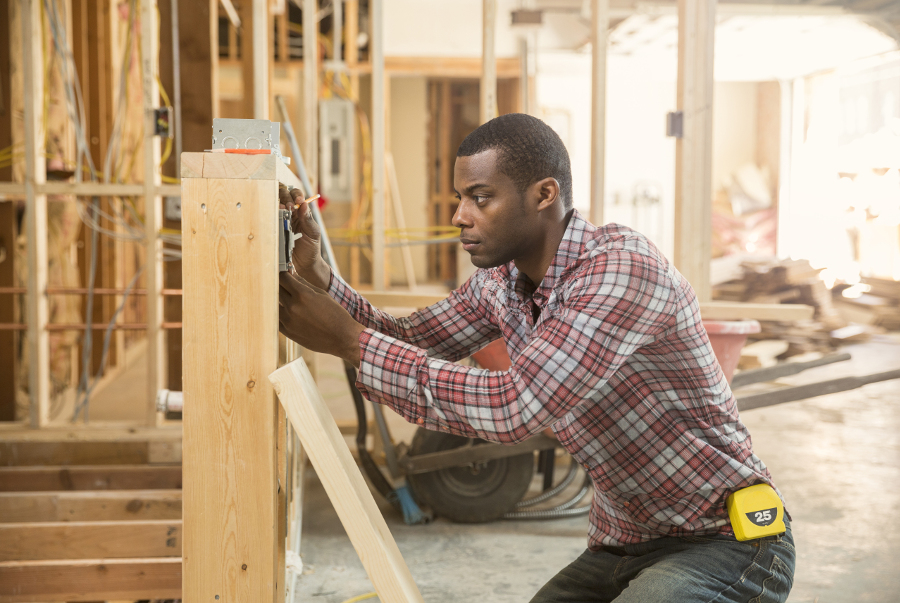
89 540
376 44
109 505
90 580
89 477
599 29
400 218
693 152
344 483
153 213
21 454
260 46
311 93
35 214
8 234
488 88
231 433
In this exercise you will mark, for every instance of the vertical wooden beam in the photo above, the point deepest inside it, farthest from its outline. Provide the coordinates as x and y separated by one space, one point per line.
152 208
231 491
260 44
376 44
599 29
351 29
8 234
311 93
693 152
35 215
488 87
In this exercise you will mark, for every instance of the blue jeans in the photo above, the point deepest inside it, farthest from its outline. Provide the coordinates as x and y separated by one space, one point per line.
679 570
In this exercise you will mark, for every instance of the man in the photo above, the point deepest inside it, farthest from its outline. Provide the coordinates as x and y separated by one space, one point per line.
607 349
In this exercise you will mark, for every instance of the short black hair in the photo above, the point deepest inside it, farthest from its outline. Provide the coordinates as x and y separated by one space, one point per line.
529 150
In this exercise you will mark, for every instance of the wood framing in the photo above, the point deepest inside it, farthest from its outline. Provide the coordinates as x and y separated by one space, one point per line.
344 483
35 215
376 19
110 505
89 477
90 579
599 29
693 151
488 88
233 536
153 210
90 540
19 453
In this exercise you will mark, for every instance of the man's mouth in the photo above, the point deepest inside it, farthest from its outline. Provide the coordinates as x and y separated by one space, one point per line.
468 244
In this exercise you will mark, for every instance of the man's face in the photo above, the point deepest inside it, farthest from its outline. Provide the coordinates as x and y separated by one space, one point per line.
494 219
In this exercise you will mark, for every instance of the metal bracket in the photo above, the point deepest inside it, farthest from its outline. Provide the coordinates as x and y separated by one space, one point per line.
285 241
249 134
675 124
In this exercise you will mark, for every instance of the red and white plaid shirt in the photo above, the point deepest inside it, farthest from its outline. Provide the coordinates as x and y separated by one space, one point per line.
617 362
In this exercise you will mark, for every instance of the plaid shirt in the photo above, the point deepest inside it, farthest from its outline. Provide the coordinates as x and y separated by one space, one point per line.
617 362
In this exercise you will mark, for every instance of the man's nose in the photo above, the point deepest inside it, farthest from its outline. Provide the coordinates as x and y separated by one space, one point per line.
461 217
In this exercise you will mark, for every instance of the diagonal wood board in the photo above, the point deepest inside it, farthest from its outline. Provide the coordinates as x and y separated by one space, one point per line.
306 409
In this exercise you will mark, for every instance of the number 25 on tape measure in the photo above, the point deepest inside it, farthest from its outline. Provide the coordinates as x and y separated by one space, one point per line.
755 512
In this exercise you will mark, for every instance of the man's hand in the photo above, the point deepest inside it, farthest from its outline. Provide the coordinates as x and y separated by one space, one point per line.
307 255
310 317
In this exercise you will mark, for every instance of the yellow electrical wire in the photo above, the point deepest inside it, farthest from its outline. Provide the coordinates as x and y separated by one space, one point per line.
362 598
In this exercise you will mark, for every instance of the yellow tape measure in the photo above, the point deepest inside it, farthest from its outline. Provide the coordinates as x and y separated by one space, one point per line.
755 512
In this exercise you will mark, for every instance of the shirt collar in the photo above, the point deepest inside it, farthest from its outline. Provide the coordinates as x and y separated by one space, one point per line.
578 232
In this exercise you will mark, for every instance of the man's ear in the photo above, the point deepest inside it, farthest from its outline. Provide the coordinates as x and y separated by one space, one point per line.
547 191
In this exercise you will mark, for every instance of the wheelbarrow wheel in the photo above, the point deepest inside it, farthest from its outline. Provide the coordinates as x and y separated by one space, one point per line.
469 493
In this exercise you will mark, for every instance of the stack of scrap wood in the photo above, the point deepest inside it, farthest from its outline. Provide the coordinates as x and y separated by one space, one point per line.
876 303
772 281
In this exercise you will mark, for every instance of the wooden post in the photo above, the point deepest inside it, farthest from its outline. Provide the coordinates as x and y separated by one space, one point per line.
311 94
351 28
152 209
234 521
693 152
376 8
599 29
488 87
8 234
344 483
260 43
35 214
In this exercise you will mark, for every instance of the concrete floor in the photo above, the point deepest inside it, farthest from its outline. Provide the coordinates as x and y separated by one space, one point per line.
836 458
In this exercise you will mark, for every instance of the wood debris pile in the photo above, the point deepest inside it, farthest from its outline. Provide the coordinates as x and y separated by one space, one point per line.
772 281
875 303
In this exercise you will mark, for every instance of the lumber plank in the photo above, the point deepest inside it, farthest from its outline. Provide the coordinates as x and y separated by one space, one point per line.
721 310
90 540
104 505
344 483
35 215
227 166
110 432
90 579
229 228
90 477
73 453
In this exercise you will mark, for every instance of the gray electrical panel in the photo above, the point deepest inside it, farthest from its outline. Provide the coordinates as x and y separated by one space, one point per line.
337 129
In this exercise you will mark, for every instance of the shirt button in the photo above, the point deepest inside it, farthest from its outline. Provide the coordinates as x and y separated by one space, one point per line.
420 421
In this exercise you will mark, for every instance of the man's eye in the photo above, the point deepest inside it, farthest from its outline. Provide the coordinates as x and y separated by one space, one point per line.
479 200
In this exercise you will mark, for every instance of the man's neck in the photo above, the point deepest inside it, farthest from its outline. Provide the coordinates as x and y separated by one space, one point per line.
536 266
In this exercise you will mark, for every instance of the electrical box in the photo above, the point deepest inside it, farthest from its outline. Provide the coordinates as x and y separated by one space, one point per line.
337 149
